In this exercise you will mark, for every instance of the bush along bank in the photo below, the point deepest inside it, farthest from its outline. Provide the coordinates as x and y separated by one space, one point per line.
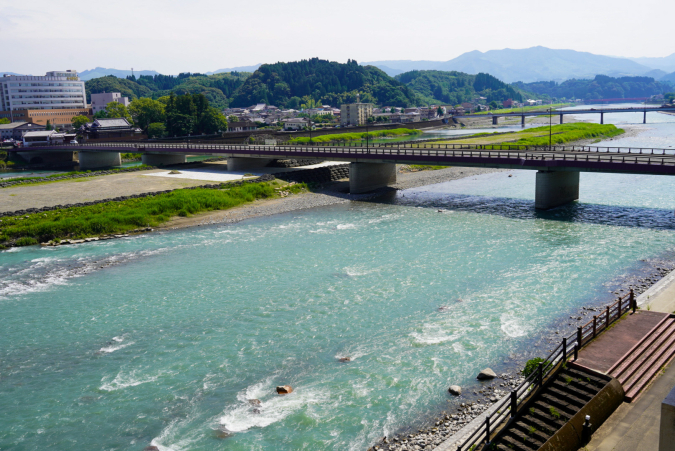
70 176
562 134
129 213
343 137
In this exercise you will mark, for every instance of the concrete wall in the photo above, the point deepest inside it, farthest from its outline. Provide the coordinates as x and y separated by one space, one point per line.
246 164
162 159
366 177
667 426
555 188
48 157
93 160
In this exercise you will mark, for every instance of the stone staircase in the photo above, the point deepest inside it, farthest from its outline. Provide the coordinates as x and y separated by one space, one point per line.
639 366
570 390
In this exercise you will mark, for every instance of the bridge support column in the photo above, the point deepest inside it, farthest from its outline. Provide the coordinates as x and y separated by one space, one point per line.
245 164
155 159
644 119
495 120
522 121
95 160
555 188
561 119
365 177
602 118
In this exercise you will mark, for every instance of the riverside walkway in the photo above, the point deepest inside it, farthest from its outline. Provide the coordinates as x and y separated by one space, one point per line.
374 166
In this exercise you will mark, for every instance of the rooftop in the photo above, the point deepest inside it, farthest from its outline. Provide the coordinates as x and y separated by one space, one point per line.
11 126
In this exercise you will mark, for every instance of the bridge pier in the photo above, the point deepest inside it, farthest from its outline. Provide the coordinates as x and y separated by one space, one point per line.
95 160
245 164
495 120
602 118
522 121
644 119
365 177
156 159
555 188
561 119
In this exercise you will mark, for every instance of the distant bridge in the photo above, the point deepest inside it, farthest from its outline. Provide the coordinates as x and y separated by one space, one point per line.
374 166
601 111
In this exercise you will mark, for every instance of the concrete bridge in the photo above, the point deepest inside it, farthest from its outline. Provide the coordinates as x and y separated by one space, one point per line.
374 166
601 111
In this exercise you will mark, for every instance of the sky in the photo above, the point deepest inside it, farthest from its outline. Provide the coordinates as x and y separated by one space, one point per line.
172 36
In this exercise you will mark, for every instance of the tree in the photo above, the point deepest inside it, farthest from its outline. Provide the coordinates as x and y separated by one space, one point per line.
439 111
232 118
118 110
494 105
79 121
212 121
156 130
101 114
4 120
147 111
49 125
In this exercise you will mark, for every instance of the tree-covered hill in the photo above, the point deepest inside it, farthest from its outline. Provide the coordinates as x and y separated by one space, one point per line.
457 87
287 84
600 87
217 88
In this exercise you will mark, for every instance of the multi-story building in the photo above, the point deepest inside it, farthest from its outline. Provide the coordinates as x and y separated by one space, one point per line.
101 100
355 113
55 90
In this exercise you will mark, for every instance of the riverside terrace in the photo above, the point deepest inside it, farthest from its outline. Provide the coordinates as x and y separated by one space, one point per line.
561 113
374 166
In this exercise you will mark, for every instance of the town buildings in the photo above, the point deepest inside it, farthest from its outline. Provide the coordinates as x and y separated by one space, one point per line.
100 101
16 130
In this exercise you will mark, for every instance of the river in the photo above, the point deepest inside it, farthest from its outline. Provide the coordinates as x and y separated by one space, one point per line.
163 339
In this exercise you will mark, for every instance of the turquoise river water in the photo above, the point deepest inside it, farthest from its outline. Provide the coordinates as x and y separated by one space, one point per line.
162 339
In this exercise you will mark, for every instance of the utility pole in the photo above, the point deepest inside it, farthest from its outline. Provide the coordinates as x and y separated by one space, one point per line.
550 125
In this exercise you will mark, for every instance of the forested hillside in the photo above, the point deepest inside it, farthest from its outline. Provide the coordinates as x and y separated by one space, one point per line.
218 88
457 87
285 85
601 87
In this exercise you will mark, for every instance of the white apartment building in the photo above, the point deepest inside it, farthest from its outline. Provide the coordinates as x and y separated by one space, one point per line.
355 113
55 90
100 101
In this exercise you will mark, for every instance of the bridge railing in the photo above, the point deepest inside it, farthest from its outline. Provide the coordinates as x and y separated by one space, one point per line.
509 407
510 151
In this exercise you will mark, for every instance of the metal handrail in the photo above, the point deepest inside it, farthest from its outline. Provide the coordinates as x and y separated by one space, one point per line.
533 384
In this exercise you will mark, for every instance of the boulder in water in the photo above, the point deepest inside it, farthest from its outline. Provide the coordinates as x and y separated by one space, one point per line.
151 448
345 359
486 374
284 389
255 402
455 390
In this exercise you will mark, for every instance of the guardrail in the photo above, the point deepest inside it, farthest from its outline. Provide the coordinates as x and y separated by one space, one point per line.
508 409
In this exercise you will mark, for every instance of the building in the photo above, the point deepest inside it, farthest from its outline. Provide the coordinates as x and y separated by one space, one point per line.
101 100
58 118
242 126
37 138
55 90
16 130
109 128
355 113
297 123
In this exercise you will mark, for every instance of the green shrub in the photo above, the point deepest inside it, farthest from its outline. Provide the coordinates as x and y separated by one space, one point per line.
26 241
531 366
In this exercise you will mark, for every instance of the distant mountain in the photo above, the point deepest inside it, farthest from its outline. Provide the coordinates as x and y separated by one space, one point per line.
528 65
236 69
9 73
290 84
666 63
600 87
102 72
670 78
656 74
393 68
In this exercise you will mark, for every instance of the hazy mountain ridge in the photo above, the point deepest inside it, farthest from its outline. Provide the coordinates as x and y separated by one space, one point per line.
527 65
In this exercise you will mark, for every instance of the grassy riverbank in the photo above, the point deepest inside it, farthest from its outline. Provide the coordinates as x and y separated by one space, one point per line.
526 109
124 216
52 178
344 137
539 136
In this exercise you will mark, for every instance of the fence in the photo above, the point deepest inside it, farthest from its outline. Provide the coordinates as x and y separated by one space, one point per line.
547 369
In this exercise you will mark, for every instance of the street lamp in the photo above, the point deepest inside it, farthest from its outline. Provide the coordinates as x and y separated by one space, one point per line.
550 125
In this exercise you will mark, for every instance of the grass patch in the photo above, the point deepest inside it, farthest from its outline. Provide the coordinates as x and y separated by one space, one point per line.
344 137
50 178
422 167
120 217
554 413
524 109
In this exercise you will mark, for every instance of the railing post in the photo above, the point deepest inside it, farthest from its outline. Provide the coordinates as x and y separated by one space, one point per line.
540 374
595 321
619 309
564 349
579 335
607 318
487 430
514 403
576 351
633 301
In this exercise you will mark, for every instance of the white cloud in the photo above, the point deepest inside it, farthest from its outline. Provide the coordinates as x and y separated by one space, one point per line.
171 36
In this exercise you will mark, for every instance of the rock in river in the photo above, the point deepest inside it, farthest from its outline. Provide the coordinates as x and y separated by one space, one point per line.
284 389
455 390
487 373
